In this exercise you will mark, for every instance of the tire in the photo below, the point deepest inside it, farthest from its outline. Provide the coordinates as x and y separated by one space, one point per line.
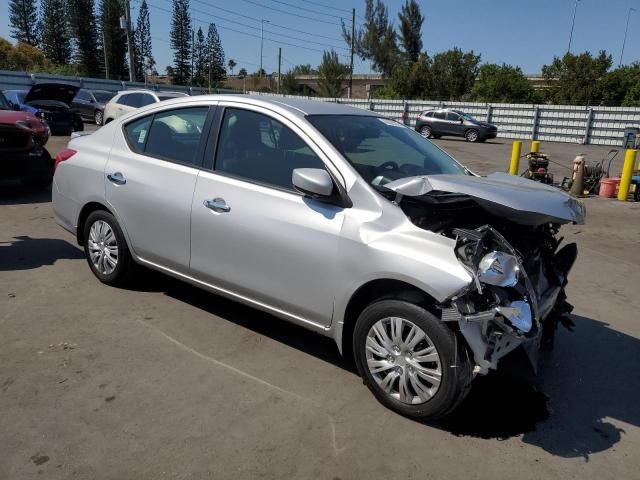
425 131
471 135
45 179
98 117
380 366
102 245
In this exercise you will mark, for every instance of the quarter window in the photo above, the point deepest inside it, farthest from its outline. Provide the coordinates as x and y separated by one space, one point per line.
122 100
146 99
137 132
260 149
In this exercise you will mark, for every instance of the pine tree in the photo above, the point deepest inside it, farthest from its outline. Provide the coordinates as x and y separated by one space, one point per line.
217 71
411 21
143 55
181 41
331 74
23 20
200 60
115 40
54 36
82 20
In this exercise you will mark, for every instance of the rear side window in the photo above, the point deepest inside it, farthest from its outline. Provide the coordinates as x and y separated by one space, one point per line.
137 133
428 114
122 100
175 135
146 99
134 100
439 115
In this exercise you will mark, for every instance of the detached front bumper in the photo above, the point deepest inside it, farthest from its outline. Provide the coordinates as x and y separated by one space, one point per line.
496 319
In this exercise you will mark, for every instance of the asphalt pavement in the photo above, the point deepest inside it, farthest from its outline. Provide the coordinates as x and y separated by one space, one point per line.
163 380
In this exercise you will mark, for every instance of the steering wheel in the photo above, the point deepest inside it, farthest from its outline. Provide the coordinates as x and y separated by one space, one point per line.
389 165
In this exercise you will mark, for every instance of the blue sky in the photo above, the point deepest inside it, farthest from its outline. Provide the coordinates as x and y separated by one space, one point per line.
518 32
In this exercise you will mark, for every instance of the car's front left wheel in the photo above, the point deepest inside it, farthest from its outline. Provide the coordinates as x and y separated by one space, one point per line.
97 117
410 360
106 249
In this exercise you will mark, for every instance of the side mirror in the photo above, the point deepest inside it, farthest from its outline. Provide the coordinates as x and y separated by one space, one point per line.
314 182
461 121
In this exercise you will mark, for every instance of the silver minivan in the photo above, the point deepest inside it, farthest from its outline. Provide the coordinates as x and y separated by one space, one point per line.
333 218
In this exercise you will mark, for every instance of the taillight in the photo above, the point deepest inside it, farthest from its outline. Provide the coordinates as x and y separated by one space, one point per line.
65 154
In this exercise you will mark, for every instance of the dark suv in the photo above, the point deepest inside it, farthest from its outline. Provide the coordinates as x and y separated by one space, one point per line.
446 122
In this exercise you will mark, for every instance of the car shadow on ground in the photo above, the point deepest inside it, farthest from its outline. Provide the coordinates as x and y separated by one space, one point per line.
15 194
589 378
255 320
26 253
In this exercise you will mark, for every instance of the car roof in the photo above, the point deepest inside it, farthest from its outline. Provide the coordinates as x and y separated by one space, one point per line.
297 106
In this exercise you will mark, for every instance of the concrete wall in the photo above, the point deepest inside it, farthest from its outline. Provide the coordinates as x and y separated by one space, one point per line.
10 80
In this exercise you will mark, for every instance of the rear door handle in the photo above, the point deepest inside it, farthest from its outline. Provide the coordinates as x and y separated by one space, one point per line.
117 178
217 205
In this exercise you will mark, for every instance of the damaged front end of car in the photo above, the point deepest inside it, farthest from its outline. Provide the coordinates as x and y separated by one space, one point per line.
506 234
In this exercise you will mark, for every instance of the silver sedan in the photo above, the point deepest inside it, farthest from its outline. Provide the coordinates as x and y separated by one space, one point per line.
333 218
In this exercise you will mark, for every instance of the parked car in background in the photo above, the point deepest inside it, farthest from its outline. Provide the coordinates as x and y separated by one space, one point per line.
89 104
333 218
51 102
22 153
454 123
129 100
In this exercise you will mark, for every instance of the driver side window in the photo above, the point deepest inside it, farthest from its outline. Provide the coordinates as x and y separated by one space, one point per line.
260 149
453 117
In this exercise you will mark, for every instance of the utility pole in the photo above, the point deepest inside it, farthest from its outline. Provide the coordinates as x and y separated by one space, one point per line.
127 13
262 22
353 34
625 34
193 51
575 8
279 66
104 51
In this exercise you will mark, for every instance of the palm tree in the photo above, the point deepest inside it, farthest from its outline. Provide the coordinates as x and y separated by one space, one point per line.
232 64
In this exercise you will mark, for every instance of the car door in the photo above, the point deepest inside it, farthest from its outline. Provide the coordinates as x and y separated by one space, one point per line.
438 123
252 234
454 126
80 102
150 178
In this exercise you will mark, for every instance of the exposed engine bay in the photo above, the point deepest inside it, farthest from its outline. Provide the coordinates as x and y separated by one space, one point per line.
514 256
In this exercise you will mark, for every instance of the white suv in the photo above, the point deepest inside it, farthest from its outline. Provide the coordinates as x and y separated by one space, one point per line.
129 100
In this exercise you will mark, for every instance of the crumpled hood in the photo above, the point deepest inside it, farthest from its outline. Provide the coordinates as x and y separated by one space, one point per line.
517 199
60 92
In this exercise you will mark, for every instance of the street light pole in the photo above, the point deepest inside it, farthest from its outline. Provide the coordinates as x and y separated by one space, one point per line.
262 22
625 33
575 8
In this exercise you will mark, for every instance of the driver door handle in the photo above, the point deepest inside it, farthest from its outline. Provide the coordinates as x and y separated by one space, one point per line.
217 205
117 178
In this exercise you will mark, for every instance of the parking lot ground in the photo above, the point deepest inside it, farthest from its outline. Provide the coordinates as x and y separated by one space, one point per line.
163 380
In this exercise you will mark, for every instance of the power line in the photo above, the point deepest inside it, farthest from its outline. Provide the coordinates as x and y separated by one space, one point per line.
292 14
325 6
307 9
257 28
245 33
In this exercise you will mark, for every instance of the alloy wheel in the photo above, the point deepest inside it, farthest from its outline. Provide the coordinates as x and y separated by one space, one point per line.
103 247
425 132
98 117
472 136
403 360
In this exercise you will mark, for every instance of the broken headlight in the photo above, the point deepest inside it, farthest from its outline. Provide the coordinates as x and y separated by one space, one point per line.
499 269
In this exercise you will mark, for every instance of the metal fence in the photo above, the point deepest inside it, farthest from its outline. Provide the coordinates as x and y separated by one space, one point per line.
10 80
556 123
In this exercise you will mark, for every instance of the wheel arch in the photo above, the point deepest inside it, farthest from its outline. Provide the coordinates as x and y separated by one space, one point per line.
372 291
87 210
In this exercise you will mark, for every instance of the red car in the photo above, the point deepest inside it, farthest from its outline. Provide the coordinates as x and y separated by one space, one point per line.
22 154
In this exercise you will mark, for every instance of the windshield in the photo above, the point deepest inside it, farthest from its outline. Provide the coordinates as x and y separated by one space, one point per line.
4 103
382 150
103 97
466 116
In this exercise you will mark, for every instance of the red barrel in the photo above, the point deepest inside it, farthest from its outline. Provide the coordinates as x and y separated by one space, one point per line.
608 187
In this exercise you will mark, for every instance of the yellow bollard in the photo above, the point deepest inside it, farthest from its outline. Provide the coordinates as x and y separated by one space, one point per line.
627 173
535 146
515 157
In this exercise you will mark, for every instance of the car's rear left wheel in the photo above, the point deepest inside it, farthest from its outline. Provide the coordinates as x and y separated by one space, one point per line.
97 117
425 131
409 359
106 249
